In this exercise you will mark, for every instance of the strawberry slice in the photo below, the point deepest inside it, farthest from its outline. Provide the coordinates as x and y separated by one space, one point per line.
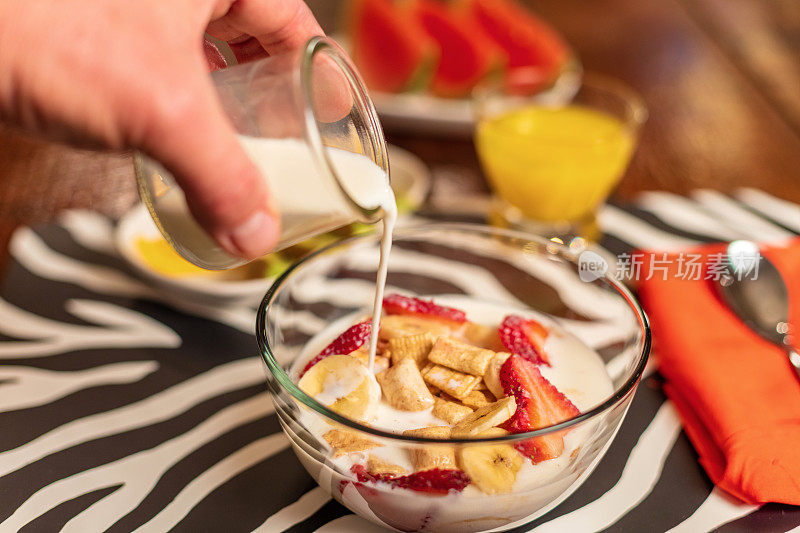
396 304
352 339
525 337
539 404
435 480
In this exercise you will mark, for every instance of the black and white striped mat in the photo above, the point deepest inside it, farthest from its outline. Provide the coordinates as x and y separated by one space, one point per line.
121 410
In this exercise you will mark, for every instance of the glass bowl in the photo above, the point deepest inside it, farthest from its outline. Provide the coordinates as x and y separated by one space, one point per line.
324 293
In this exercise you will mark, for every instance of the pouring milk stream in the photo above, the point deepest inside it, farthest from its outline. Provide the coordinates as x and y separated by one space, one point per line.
365 182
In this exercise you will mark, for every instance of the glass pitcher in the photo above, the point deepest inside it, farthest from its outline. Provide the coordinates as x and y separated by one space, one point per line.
310 106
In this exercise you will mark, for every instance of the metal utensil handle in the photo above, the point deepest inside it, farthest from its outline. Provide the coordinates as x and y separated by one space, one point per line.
794 359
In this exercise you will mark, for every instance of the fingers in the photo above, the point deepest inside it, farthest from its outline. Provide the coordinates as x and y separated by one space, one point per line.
279 25
196 142
248 50
225 192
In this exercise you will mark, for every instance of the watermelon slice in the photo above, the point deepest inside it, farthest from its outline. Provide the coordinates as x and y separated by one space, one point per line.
535 50
214 57
468 54
391 50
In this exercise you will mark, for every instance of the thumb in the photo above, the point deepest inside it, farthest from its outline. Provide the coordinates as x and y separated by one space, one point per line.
191 136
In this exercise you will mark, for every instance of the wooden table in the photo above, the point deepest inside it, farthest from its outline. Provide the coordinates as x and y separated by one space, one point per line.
721 79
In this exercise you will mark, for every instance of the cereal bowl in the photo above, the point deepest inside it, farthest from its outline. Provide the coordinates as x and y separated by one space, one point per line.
599 339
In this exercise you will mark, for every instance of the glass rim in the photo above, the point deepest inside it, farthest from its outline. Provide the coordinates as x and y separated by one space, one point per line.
304 97
563 252
634 117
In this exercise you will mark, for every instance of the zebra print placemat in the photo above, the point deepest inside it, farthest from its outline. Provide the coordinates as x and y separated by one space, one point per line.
123 410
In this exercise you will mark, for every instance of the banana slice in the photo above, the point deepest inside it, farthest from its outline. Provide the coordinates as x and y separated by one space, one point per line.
485 418
345 385
483 337
492 375
492 468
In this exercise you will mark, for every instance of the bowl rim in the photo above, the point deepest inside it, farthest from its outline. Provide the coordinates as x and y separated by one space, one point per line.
563 252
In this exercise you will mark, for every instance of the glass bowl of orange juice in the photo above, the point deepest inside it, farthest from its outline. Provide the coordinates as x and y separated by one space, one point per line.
551 166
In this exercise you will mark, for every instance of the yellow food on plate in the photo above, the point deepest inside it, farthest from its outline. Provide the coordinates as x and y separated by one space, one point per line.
160 257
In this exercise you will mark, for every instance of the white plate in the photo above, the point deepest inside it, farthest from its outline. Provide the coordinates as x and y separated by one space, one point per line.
137 223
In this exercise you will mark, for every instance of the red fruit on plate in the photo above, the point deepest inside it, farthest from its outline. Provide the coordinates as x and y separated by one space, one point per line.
525 337
434 481
396 304
390 49
530 43
352 339
214 58
468 55
539 404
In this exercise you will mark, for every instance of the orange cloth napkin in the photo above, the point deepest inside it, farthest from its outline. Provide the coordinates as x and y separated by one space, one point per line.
736 393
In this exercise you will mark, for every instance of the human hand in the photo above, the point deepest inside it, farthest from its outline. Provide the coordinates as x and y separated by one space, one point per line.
120 74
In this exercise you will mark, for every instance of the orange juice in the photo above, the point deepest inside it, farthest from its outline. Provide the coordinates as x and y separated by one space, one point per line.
554 164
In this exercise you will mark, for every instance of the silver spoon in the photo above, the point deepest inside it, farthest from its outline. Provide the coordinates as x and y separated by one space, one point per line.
754 289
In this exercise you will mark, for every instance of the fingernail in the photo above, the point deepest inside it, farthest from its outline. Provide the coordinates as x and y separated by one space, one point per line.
255 237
